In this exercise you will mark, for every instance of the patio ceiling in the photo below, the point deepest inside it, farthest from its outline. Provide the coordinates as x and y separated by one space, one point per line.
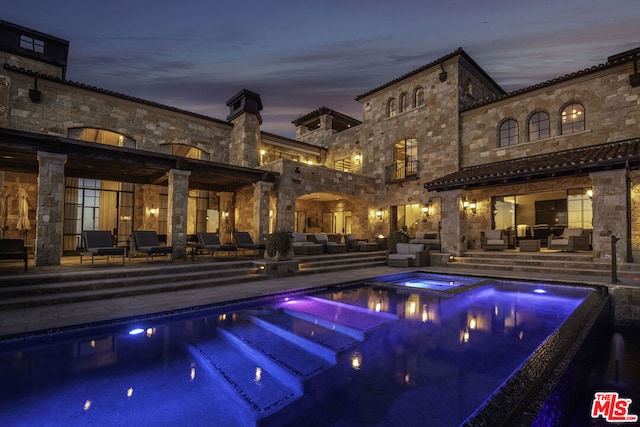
574 162
18 153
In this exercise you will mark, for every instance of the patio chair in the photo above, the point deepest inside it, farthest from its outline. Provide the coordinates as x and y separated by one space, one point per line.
147 242
352 242
572 239
246 243
99 243
409 255
493 240
211 242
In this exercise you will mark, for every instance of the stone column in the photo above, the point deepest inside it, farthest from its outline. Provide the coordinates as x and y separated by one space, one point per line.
609 213
177 211
50 207
452 235
261 206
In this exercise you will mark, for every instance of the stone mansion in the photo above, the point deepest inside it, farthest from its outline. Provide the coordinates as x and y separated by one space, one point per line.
442 149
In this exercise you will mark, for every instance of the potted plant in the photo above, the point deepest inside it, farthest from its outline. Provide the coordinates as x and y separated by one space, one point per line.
278 246
398 236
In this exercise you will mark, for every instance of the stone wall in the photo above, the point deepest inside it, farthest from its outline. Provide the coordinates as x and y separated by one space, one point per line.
64 106
611 110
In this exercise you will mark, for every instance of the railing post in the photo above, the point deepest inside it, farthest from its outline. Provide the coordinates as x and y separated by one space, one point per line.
614 266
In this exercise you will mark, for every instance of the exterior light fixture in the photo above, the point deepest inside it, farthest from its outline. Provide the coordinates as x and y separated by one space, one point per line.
379 214
153 211
473 206
465 204
358 159
590 193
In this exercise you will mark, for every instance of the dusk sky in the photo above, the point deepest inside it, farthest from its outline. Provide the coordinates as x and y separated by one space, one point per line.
301 55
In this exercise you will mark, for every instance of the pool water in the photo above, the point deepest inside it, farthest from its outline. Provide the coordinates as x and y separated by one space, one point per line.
353 356
432 282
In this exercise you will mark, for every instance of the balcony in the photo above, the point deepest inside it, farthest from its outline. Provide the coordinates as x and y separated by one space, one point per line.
398 172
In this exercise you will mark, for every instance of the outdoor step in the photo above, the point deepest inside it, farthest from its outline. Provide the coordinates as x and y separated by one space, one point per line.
528 269
354 321
553 264
122 281
245 376
305 269
9 302
87 273
293 355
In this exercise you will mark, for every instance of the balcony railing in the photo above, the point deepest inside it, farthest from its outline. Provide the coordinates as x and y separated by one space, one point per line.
402 171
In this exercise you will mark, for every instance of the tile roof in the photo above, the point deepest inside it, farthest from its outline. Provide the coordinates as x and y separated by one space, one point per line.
574 162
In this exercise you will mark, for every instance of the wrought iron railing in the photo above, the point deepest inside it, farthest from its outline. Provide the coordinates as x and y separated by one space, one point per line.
402 171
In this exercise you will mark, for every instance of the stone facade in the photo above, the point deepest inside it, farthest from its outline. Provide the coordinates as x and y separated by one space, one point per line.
455 123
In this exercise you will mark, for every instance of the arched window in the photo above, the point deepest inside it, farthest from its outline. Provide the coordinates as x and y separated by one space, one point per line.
508 133
572 118
538 126
418 97
405 102
392 108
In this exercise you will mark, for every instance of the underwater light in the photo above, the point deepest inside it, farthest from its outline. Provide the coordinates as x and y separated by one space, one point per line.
539 291
136 331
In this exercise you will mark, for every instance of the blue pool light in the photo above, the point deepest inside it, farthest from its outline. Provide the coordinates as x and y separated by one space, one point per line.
136 331
539 291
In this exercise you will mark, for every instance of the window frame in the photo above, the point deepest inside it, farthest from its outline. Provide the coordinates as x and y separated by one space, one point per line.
404 103
392 107
418 97
31 43
574 126
534 130
511 136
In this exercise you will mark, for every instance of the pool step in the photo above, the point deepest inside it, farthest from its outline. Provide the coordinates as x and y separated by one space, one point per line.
354 321
246 376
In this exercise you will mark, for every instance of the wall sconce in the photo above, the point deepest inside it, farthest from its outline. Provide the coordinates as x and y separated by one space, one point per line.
590 193
225 216
473 205
153 211
426 210
358 159
379 214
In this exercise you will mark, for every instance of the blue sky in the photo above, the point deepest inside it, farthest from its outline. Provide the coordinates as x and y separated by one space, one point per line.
301 55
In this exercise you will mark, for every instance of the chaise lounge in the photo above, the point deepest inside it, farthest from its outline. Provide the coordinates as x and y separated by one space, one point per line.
246 243
99 243
147 242
13 249
211 242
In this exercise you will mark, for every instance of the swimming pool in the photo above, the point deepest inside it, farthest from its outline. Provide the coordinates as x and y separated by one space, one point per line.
363 354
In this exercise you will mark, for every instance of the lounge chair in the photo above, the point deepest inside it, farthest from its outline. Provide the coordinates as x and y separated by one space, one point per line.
99 243
493 240
352 242
147 242
13 249
211 242
303 246
246 243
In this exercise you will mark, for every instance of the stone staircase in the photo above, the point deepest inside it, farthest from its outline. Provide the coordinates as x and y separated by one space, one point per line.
541 263
89 284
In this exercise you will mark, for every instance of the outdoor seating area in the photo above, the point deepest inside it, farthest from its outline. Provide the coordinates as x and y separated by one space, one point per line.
99 243
147 242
